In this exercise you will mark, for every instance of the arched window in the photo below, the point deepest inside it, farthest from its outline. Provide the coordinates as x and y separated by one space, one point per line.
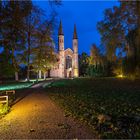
68 62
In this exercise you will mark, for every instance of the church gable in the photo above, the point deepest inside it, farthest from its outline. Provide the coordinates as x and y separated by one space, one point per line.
68 52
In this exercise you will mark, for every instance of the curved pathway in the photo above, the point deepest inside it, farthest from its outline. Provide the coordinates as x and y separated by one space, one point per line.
36 116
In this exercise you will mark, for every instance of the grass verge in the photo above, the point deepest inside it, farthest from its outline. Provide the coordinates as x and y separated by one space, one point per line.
14 86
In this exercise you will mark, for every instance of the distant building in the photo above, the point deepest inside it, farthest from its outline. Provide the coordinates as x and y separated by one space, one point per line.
67 65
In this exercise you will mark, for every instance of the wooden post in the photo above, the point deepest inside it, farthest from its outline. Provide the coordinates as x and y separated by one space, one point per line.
4 99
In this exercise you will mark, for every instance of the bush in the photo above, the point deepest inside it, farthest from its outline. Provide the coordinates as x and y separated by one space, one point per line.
137 72
4 109
95 71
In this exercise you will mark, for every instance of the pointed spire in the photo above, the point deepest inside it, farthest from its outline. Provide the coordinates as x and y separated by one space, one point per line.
60 29
75 33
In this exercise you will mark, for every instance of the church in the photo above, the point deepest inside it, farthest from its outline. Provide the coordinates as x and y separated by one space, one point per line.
67 65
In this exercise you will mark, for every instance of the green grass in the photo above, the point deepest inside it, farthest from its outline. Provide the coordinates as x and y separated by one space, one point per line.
14 86
88 99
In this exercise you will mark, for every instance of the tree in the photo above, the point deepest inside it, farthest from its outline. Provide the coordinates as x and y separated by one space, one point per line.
97 62
33 29
12 31
131 17
94 58
120 29
20 22
31 24
112 33
43 57
83 64
6 69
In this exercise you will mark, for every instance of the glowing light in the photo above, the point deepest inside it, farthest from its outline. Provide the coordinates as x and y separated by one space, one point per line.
76 74
120 76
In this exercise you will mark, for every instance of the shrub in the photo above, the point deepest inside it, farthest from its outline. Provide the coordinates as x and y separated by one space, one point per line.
4 108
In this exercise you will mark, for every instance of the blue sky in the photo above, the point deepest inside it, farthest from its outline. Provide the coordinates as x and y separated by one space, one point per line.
85 14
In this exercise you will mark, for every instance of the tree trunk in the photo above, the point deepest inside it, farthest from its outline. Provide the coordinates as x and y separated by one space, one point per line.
48 73
44 75
16 76
28 74
37 76
28 56
40 76
14 64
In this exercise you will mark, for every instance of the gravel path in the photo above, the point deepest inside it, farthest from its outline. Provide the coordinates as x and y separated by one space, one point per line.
36 117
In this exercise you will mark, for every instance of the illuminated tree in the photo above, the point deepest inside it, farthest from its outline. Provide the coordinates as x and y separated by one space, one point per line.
43 56
120 29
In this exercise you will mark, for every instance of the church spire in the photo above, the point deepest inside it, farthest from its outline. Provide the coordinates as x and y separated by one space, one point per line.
75 33
60 29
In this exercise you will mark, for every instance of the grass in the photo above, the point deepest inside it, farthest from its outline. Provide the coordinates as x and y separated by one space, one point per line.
14 86
110 106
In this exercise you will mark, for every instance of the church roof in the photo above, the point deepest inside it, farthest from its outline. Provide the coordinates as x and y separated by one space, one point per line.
68 52
68 49
60 32
75 33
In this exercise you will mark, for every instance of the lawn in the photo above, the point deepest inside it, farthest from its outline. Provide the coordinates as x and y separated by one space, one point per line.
15 85
110 106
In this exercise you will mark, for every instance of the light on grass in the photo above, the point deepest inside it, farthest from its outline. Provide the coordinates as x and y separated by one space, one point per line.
26 80
33 80
15 86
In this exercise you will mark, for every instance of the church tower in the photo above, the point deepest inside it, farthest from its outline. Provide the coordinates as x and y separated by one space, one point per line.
61 51
75 55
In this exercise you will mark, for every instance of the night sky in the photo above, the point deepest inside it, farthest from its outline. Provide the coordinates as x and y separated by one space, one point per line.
85 14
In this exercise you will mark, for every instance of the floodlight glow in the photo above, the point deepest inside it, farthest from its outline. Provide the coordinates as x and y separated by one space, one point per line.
120 76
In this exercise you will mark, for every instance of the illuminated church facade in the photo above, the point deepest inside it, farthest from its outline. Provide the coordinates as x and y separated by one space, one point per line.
67 65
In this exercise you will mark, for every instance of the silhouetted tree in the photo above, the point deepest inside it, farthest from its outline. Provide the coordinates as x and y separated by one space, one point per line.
83 64
120 29
21 25
12 30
